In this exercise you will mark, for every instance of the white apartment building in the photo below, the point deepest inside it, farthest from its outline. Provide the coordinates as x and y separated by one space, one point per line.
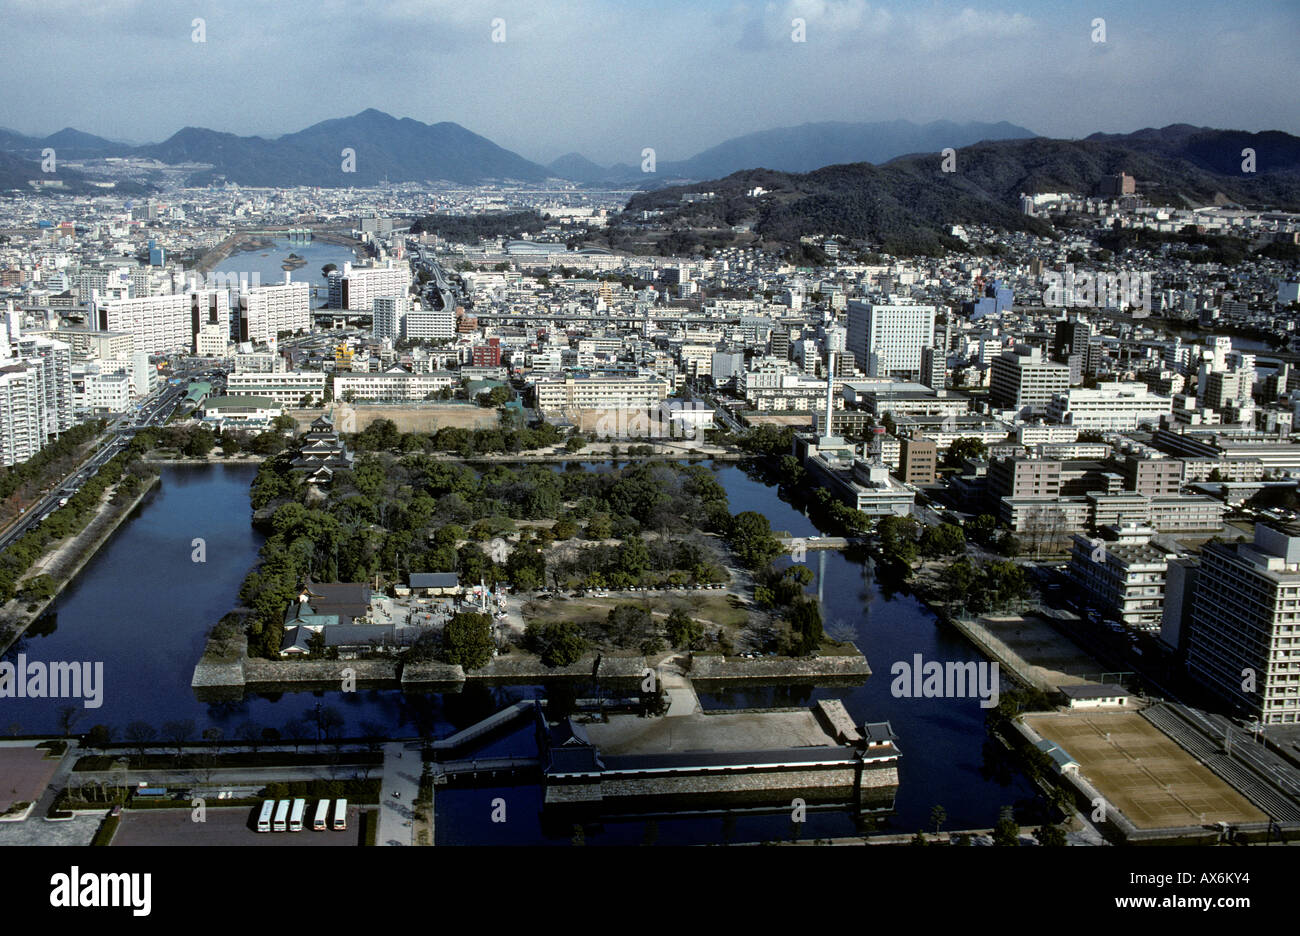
288 388
54 359
108 393
266 312
574 392
356 288
430 324
392 386
886 339
389 315
141 373
259 362
22 418
159 324
1115 406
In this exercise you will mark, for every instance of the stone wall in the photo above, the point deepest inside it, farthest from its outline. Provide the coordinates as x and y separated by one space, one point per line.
716 666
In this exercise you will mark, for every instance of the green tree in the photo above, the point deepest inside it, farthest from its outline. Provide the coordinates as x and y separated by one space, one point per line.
946 539
805 619
938 816
682 630
559 643
897 538
750 538
1051 836
1007 830
467 640
963 448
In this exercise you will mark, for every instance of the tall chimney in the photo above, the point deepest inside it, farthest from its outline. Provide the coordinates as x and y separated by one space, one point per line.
830 391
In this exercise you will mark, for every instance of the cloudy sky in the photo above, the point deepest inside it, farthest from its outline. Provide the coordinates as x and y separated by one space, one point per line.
608 77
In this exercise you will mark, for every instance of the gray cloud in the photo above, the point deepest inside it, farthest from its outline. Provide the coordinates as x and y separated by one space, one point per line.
607 77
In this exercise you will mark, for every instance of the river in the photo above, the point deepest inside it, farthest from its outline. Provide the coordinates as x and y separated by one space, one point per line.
142 607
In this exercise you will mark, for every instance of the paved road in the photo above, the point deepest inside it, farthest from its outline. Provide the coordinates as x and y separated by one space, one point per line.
155 412
397 797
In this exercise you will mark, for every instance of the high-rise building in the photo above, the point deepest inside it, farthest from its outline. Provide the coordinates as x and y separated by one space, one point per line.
424 324
934 368
488 355
1243 637
266 312
389 316
356 288
1022 380
22 420
1072 337
158 324
887 339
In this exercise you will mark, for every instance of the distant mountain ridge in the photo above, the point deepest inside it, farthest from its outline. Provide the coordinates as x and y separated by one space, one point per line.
910 204
803 148
384 147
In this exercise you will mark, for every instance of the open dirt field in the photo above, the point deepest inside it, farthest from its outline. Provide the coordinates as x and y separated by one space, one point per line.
26 772
779 419
1060 661
422 417
1148 777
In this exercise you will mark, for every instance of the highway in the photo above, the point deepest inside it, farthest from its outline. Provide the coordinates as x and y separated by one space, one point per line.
423 260
156 409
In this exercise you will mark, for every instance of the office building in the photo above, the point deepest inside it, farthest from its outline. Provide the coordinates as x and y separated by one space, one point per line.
1023 380
887 339
1243 640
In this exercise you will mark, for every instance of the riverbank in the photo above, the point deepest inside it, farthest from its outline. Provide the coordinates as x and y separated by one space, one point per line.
262 241
63 562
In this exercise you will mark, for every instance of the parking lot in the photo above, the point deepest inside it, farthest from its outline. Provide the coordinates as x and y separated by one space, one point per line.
224 826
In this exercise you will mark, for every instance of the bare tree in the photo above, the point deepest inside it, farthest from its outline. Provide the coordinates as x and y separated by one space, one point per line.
67 718
296 731
178 732
250 734
141 734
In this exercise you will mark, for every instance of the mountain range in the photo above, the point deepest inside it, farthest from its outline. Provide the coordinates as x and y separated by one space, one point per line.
801 149
908 204
406 150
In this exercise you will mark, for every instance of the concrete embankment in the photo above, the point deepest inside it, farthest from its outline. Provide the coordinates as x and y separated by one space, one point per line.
713 666
244 458
66 560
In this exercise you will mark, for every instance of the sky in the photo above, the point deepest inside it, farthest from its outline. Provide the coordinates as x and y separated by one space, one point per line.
607 78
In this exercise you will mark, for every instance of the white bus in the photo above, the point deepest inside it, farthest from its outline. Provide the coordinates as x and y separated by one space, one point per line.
264 820
340 815
319 824
281 815
295 818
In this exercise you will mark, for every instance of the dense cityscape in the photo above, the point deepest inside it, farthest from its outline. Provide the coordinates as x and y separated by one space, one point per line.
893 483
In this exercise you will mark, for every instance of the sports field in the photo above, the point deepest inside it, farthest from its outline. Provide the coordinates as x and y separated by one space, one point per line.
1144 774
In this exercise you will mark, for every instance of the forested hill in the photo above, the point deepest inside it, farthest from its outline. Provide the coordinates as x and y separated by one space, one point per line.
910 203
